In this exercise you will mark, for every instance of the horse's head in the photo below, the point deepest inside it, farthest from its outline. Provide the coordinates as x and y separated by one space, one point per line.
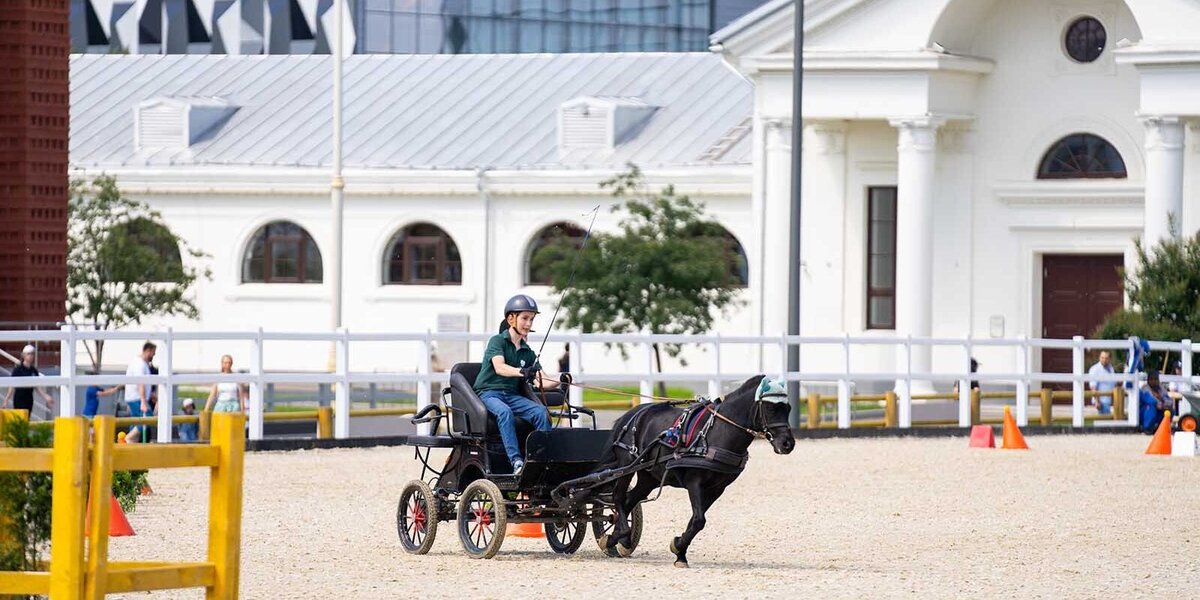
771 409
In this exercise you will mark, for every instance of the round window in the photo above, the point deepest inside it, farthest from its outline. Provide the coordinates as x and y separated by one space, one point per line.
1085 39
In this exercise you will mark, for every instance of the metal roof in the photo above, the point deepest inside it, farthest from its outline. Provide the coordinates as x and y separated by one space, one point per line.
412 111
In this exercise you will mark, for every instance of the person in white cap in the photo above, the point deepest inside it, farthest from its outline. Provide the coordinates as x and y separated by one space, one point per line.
189 432
23 397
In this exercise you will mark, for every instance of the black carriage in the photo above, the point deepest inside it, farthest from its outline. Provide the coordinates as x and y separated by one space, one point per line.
475 487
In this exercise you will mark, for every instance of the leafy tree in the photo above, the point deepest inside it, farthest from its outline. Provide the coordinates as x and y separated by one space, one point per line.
1164 296
24 503
123 263
668 269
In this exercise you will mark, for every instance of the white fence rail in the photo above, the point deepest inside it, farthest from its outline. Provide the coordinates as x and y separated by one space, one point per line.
342 377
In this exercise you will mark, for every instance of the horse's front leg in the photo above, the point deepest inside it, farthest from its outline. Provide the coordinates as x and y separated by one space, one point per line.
702 498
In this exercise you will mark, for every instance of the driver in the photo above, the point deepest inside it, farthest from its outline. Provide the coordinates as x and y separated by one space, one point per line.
507 361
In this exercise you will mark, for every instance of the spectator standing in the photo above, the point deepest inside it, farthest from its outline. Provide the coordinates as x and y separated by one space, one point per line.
974 383
137 395
189 432
91 397
22 398
1102 367
229 397
1153 402
564 361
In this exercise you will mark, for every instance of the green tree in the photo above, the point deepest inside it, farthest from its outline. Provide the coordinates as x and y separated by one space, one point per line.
668 269
123 263
24 503
1164 296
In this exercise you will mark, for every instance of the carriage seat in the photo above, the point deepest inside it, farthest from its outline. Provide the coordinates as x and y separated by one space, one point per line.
469 416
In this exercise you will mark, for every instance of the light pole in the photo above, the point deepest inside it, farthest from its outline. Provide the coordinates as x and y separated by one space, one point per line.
337 185
794 222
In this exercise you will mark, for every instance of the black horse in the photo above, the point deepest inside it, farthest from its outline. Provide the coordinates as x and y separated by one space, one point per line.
704 452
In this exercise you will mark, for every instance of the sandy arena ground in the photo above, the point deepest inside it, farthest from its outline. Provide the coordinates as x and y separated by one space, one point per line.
837 518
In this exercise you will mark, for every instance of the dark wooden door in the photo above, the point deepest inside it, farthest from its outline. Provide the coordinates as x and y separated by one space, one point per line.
1078 292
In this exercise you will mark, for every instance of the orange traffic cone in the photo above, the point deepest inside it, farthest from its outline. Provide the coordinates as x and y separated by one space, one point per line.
1161 442
1013 440
525 530
118 525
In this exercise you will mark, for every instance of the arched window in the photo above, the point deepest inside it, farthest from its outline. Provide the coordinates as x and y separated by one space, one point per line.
549 248
142 251
282 252
739 266
422 254
1082 156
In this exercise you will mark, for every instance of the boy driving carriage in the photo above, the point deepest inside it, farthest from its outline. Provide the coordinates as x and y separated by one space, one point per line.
507 361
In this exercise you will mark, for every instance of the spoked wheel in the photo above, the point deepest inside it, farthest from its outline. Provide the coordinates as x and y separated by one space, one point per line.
565 537
416 517
1187 423
604 527
481 519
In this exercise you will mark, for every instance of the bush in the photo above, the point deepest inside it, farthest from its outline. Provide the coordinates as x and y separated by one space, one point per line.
24 503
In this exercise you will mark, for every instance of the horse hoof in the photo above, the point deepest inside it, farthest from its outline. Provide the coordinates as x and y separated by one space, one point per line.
674 550
604 541
681 564
623 551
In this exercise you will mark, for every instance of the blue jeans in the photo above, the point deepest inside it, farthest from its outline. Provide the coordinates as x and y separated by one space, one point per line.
135 410
506 406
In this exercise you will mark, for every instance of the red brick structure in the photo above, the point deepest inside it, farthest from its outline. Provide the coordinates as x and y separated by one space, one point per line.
34 114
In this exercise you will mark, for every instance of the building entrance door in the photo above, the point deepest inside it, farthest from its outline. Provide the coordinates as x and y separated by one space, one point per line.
1078 293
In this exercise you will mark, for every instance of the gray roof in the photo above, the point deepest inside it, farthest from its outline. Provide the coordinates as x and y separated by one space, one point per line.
422 111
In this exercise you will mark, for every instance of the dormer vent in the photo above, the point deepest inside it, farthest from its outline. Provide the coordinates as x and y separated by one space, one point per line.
178 122
600 122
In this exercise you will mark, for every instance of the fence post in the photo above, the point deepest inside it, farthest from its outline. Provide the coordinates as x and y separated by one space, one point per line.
1023 382
68 503
424 368
373 394
341 399
324 422
1047 407
1185 356
1076 382
66 367
647 383
205 428
270 397
100 494
256 387
714 385
906 388
575 366
844 386
1118 393
166 390
814 410
964 388
225 505
889 409
976 400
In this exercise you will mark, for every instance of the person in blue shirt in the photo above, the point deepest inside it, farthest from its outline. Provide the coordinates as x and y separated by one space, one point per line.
91 397
1153 402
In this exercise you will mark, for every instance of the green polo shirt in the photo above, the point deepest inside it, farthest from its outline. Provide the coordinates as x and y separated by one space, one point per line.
501 345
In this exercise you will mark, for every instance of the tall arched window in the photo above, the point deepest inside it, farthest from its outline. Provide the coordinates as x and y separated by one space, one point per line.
1082 156
281 252
739 266
422 254
552 245
148 252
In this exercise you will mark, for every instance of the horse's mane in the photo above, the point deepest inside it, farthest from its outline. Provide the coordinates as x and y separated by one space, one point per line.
745 389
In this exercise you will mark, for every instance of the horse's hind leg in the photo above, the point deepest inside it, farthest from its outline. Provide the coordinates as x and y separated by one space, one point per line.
620 528
640 491
702 498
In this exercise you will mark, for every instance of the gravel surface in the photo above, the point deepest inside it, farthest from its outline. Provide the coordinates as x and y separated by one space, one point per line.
1076 517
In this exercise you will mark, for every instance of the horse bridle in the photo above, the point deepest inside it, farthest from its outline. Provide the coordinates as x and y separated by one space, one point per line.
758 417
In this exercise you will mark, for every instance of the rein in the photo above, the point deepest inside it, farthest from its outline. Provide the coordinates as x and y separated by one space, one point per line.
746 430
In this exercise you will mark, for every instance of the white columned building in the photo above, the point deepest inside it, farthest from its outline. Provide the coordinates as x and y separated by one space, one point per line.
1164 177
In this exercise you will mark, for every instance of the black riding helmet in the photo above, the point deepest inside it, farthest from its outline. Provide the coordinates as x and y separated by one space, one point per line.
518 304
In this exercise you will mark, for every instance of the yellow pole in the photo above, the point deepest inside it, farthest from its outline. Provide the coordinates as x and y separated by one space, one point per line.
324 422
814 411
1047 407
1118 403
205 428
67 510
975 406
99 499
890 410
225 505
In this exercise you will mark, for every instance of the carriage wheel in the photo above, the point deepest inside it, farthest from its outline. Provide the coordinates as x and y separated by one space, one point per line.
481 519
604 526
565 537
417 517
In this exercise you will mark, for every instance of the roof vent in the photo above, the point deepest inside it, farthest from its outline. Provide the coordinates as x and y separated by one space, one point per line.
178 121
600 122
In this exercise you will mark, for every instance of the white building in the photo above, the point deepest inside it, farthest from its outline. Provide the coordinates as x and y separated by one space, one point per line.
1002 156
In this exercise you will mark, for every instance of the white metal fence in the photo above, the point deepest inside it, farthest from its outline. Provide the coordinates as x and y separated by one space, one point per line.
342 378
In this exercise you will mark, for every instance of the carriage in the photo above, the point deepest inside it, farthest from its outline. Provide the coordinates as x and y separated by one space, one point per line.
476 490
